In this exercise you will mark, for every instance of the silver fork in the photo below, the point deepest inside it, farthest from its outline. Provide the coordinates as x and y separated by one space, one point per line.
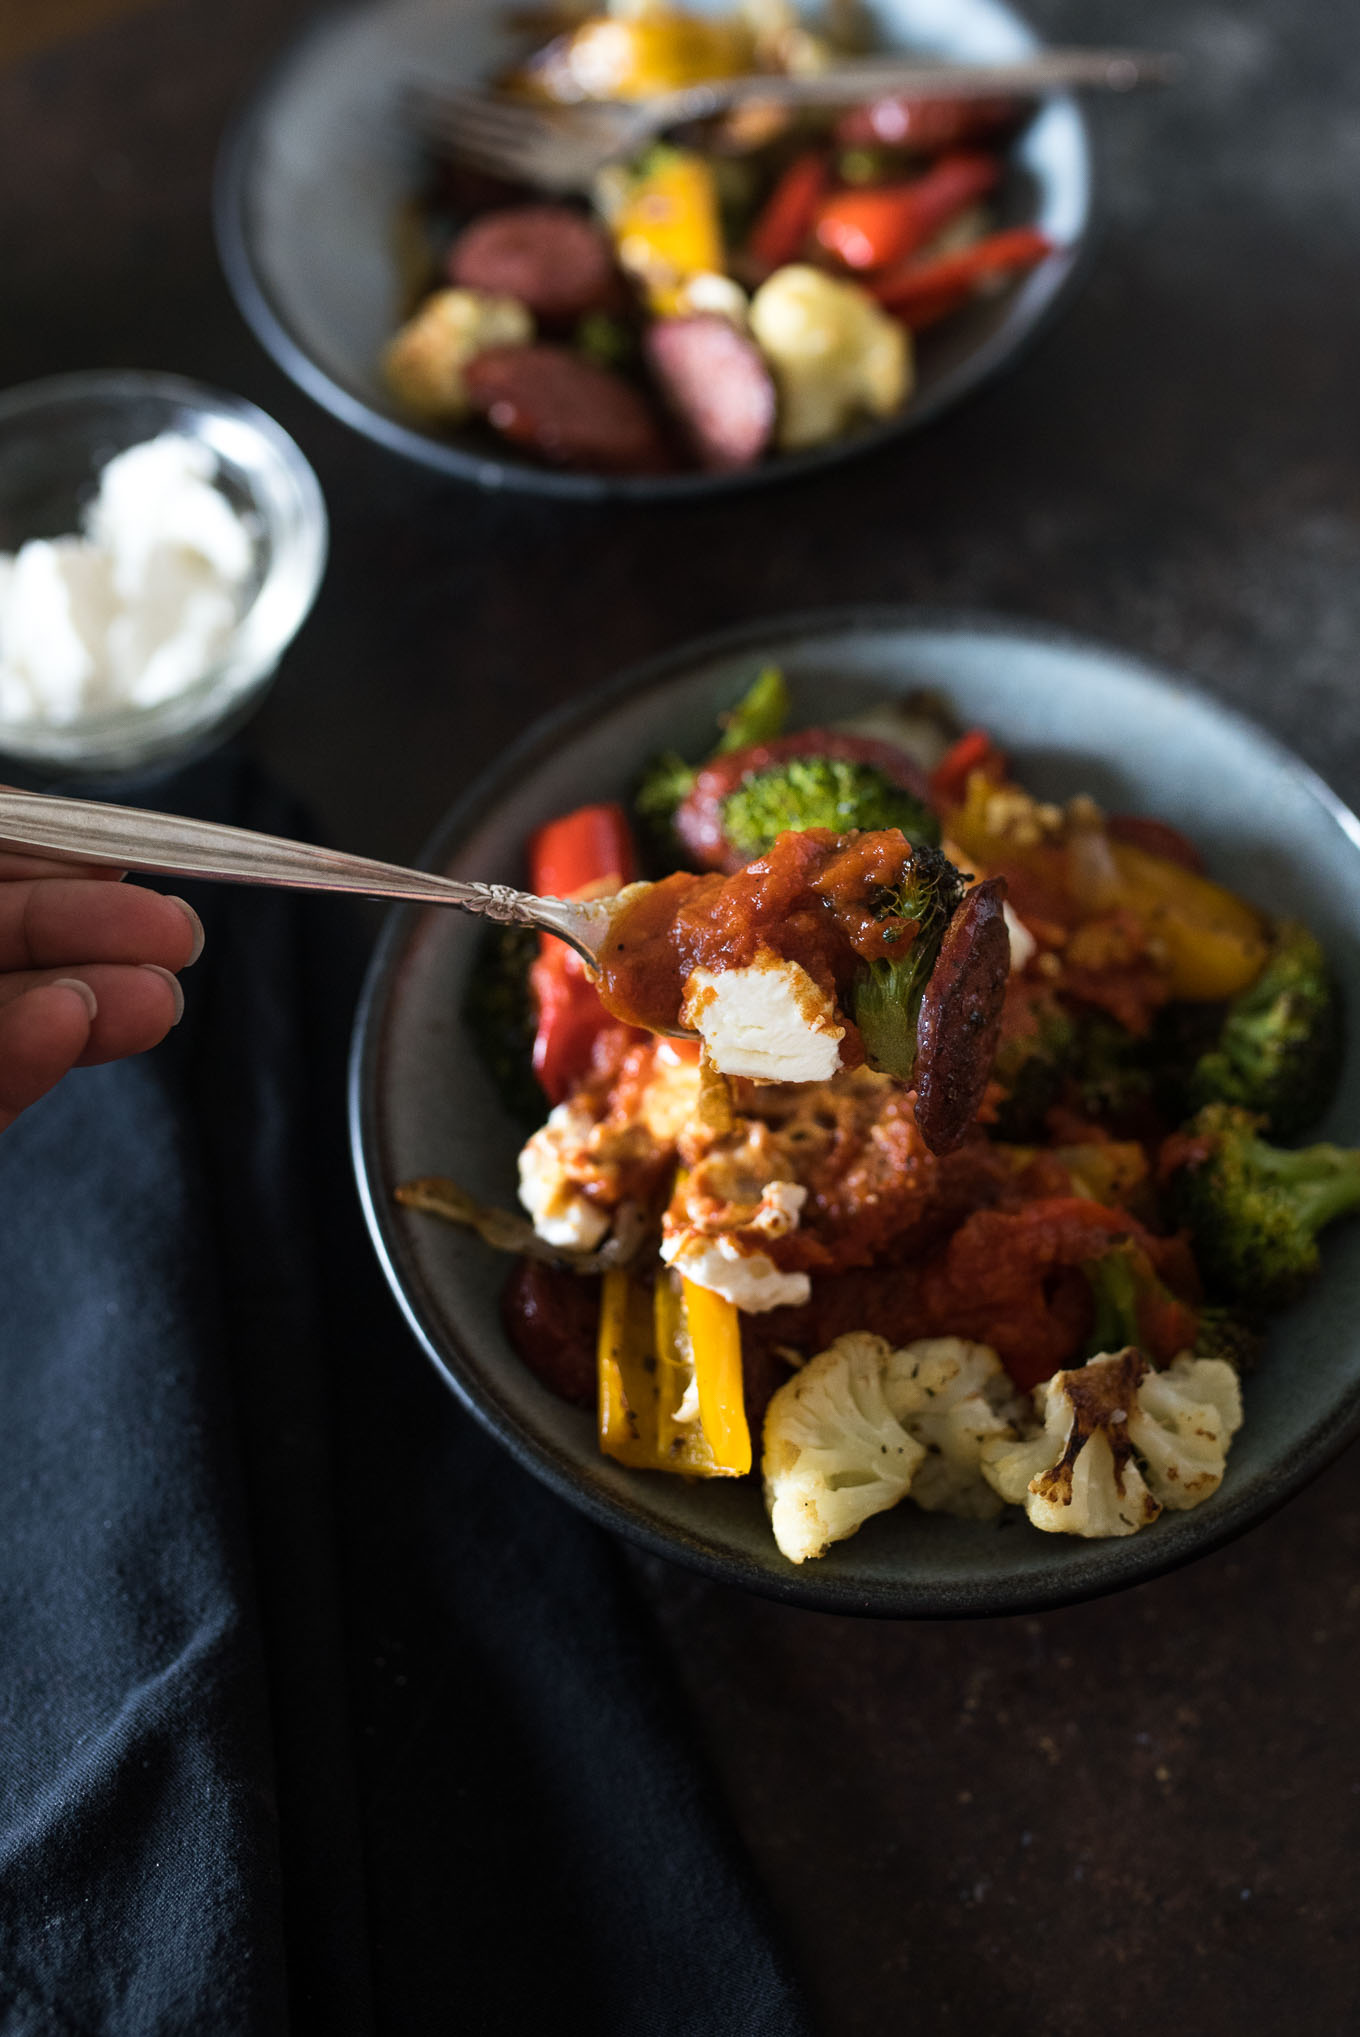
562 148
167 845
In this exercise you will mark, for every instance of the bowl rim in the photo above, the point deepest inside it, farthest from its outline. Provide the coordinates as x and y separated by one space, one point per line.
286 594
1052 286
1129 1561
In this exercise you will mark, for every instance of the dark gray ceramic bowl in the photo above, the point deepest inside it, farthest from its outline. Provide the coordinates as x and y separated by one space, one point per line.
312 178
1075 717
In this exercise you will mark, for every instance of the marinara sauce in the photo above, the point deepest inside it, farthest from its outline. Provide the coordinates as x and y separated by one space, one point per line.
817 898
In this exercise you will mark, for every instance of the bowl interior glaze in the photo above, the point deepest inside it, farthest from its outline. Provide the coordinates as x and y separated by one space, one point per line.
1075 717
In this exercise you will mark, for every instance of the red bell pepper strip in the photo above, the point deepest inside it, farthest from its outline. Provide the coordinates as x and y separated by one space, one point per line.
587 847
920 292
974 751
589 851
788 213
869 229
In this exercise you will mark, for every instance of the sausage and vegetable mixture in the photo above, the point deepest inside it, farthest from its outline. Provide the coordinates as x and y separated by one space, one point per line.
746 288
982 1179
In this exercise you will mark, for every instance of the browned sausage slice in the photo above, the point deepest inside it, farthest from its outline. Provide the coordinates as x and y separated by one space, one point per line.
551 258
552 1318
717 383
960 1017
928 126
567 410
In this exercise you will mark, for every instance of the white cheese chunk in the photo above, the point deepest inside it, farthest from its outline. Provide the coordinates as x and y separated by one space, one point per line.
1023 943
768 1021
750 1280
562 1215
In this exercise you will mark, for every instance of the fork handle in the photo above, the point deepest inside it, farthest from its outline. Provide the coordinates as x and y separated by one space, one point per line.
167 845
1048 71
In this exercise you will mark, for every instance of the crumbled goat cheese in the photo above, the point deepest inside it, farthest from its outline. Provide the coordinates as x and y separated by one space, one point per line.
562 1215
137 608
768 1021
750 1280
1023 943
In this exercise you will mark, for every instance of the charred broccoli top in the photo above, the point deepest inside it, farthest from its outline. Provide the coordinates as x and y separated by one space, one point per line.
1253 1210
758 717
820 792
886 998
1279 1050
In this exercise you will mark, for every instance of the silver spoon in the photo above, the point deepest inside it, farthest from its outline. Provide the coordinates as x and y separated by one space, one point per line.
166 845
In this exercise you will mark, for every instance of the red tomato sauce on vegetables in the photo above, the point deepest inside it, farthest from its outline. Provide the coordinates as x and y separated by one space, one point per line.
815 898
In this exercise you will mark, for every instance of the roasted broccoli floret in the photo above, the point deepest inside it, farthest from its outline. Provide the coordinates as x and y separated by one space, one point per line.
1279 1051
1088 1061
758 717
1254 1211
820 792
886 996
1228 1334
499 1011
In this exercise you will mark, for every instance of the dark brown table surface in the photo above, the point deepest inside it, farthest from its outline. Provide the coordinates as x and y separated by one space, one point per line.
1134 1815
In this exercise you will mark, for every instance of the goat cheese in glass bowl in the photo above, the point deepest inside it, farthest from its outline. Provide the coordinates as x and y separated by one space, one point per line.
160 545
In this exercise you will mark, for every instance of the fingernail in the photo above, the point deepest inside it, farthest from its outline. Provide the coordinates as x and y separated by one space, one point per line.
173 981
194 921
82 990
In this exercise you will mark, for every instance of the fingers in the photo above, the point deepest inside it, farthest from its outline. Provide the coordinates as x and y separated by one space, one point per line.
135 1006
42 1035
18 863
61 922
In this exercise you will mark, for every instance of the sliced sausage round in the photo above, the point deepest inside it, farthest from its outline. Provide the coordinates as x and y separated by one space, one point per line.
928 126
566 410
698 821
554 260
716 381
960 1017
552 1318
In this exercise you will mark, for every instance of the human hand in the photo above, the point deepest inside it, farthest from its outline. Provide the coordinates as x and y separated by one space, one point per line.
87 972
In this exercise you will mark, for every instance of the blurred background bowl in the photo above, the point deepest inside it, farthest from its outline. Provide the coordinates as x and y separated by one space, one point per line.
316 172
56 437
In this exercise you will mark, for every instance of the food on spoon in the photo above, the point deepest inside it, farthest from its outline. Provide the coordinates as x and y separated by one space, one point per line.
970 1304
855 228
569 411
816 955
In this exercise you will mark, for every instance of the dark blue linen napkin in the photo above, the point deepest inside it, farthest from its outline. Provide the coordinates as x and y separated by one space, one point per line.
316 1713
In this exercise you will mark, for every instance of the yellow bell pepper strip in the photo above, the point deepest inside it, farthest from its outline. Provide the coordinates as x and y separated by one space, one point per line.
627 1372
605 58
666 226
1209 942
715 1340
1212 943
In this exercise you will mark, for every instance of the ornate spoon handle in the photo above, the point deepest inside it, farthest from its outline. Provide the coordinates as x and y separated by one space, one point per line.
166 845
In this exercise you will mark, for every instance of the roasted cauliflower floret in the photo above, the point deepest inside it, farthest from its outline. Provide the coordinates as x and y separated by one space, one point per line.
1079 1476
425 359
1182 1425
834 1451
835 355
952 1397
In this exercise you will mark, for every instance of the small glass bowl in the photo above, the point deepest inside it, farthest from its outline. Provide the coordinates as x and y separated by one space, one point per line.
56 437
